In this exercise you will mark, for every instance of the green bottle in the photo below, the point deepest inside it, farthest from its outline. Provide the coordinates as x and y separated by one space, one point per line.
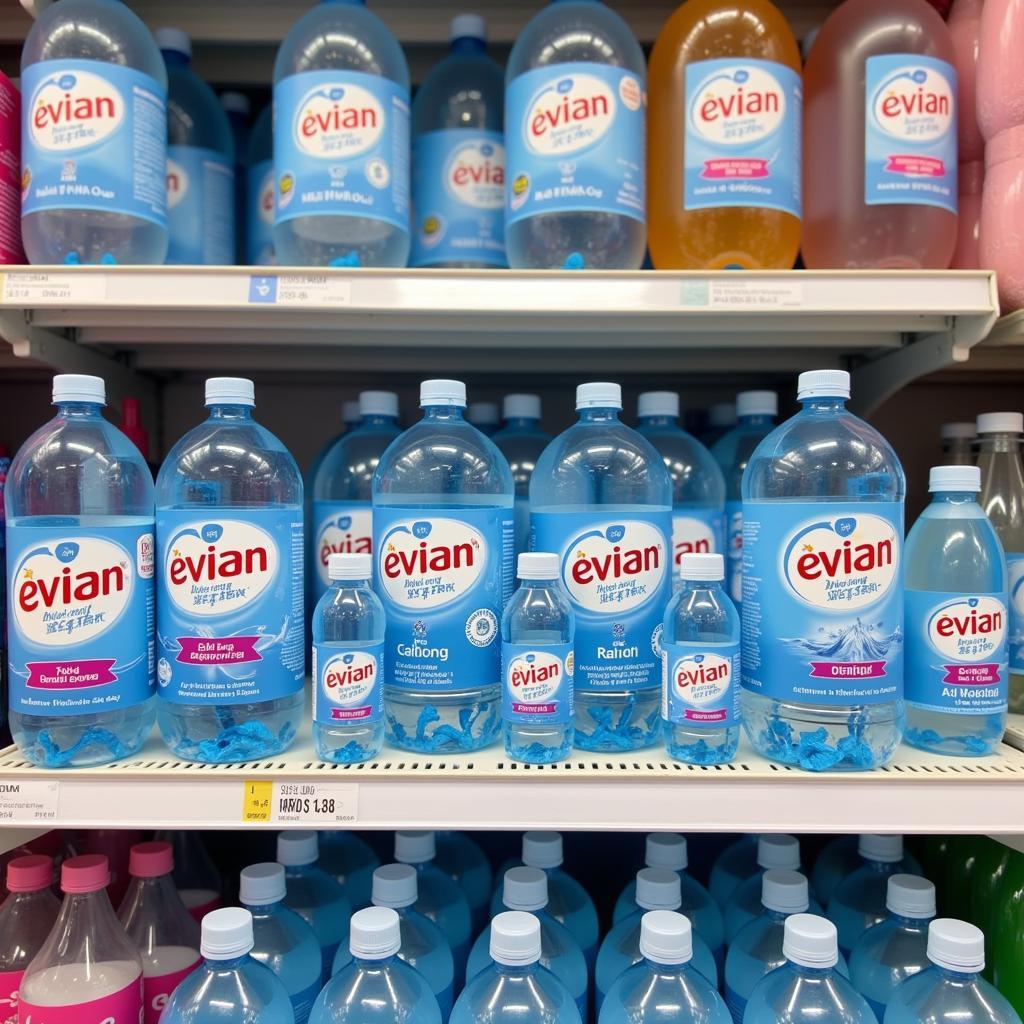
954 891
1006 940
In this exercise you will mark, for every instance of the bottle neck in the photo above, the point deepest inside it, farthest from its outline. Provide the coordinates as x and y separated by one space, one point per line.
712 588
756 419
226 965
776 916
468 44
960 977
955 498
910 924
658 421
377 420
297 870
824 404
989 444
880 867
522 423
375 963
532 584
263 909
818 973
598 415
230 412
662 968
512 970
79 410
444 413
360 583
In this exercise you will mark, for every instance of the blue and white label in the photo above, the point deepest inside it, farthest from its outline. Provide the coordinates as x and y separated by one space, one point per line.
734 551
339 528
94 137
700 685
742 136
260 215
1015 576
341 147
347 682
81 618
458 198
956 652
200 207
910 153
443 582
537 686
576 141
823 601
696 531
229 614
617 572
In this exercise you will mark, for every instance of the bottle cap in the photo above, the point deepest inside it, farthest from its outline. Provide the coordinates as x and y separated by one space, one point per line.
30 873
658 403
262 884
823 384
443 392
350 412
349 567
468 26
88 873
174 39
226 934
884 849
235 103
395 886
778 852
910 896
722 414
542 849
297 849
666 850
958 431
230 391
79 387
515 938
150 860
784 891
521 407
599 396
483 414
666 937
954 478
810 941
414 847
956 945
374 933
658 889
1000 423
757 403
378 403
525 889
537 565
702 567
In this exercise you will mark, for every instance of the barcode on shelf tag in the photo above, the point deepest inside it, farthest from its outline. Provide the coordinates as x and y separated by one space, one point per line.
26 287
312 802
29 801
300 290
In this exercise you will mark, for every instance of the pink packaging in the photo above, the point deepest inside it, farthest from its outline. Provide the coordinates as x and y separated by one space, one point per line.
10 173
970 179
964 27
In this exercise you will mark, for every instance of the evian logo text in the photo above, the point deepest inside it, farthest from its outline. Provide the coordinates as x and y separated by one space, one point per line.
177 183
914 104
534 677
428 563
338 121
969 629
343 533
737 106
615 567
701 679
348 679
73 110
475 174
691 537
569 114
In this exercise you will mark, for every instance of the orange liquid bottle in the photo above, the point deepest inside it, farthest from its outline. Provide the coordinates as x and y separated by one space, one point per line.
724 112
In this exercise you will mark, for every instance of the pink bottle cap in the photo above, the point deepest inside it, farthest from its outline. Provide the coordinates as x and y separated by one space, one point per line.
30 873
88 873
150 860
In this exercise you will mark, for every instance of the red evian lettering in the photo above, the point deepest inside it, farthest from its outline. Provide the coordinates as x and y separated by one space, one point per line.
65 588
483 174
740 103
423 560
338 119
579 108
214 565
969 625
532 674
616 565
173 183
702 674
692 547
847 560
348 544
921 101
336 678
74 108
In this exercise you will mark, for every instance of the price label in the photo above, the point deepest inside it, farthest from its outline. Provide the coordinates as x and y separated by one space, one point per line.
300 290
304 803
739 294
29 287
29 801
257 801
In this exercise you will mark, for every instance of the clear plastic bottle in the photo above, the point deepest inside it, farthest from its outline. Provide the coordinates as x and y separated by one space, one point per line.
85 51
229 987
157 922
601 499
735 865
197 879
339 51
313 894
838 859
458 156
957 621
720 420
79 499
574 88
238 108
958 443
231 659
352 862
260 199
822 652
200 162
348 664
442 510
537 655
283 941
461 857
896 948
484 416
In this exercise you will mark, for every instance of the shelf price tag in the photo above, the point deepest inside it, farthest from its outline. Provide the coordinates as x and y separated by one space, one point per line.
45 289
306 803
299 290
29 801
737 292
257 801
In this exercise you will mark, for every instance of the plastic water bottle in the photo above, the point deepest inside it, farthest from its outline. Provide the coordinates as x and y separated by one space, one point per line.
601 498
229 986
574 102
664 985
461 858
229 623
515 988
283 941
957 619
838 859
442 534
896 948
87 965
484 416
958 441
196 878
755 419
341 147
352 861
521 441
94 137
157 922
200 162
822 649
721 418
238 108
313 894
260 199
735 865
458 156
348 664
79 509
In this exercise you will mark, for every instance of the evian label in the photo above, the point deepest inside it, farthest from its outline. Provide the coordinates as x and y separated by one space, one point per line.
569 112
347 684
73 110
200 211
701 684
260 214
538 683
121 1007
177 183
696 531
431 562
339 528
337 119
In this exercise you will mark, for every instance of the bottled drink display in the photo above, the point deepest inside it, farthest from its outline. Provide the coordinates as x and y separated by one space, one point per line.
352 861
736 863
461 858
838 859
958 441
259 195
484 416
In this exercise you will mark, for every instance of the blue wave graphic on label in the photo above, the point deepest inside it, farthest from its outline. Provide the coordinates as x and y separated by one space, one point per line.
538 683
339 528
700 685
200 206
347 684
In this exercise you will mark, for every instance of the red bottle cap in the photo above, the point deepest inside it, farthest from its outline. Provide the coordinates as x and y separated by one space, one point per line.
30 873
88 873
150 860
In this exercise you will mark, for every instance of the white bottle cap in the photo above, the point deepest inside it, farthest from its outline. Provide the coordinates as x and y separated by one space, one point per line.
525 889
349 567
823 384
910 896
515 938
261 885
537 565
784 891
79 387
174 39
350 412
702 567
658 889
414 847
378 403
666 850
443 392
235 103
599 396
297 849
521 407
722 414
468 26
1001 423
778 852
230 391
374 933
226 934
884 849
542 849
958 431
483 414
954 478
810 941
395 886
666 937
956 945
658 403
757 403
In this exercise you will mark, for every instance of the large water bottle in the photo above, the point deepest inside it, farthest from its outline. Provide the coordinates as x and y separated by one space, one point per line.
200 162
352 861
458 156
80 548
838 859
341 141
822 650
601 499
259 192
484 416
461 857
735 865
442 533
574 99
239 109
94 137
27 916
229 624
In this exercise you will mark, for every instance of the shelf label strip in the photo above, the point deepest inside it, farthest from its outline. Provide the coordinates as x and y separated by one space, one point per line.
29 801
741 294
299 290
42 289
306 803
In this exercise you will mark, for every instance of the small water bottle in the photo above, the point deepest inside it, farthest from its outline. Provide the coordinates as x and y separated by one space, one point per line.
734 866
461 857
352 861
958 442
348 664
537 633
700 652
27 916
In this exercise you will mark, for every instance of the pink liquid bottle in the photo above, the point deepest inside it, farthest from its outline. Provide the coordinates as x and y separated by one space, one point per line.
965 29
880 153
